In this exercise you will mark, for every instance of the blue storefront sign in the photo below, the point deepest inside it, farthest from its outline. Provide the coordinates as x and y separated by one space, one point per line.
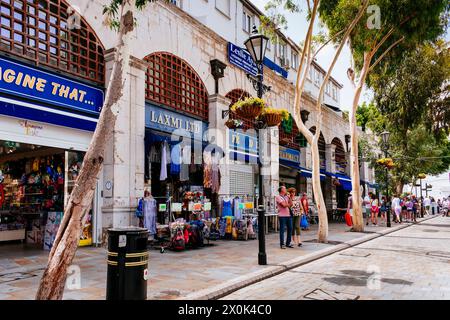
289 155
243 143
164 120
23 81
241 59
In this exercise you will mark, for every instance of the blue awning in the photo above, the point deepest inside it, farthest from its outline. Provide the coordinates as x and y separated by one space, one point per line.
304 172
290 164
37 112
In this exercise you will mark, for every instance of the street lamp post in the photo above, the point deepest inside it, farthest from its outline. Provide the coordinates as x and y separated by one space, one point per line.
385 137
256 46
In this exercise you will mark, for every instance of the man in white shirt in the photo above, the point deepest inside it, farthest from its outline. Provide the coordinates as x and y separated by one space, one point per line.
427 203
446 206
367 206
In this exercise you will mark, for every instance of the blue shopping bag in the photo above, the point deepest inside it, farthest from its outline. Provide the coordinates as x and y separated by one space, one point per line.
304 222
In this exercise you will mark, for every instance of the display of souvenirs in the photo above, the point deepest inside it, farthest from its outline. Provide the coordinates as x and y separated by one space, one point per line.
51 228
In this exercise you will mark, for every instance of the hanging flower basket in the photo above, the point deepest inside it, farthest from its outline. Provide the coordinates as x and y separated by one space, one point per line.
386 162
422 176
249 108
273 117
234 124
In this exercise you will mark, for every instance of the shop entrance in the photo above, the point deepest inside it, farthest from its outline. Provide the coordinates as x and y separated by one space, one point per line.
35 185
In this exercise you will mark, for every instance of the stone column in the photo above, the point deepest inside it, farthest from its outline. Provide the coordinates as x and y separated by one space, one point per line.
308 165
271 164
218 134
330 189
123 174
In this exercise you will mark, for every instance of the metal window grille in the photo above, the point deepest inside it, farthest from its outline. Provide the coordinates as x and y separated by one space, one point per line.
236 95
50 33
241 183
172 82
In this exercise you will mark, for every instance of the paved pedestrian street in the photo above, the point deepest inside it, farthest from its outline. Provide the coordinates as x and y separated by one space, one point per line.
412 263
415 257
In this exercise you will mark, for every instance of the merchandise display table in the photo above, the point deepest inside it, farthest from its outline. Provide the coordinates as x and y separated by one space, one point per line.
11 235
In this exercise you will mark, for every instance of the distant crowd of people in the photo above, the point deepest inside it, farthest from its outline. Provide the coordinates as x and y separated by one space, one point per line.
403 209
293 210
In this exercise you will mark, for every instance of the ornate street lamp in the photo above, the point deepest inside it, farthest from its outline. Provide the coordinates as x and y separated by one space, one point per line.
256 46
385 138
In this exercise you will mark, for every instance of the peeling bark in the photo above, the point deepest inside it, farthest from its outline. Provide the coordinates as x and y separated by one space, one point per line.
66 243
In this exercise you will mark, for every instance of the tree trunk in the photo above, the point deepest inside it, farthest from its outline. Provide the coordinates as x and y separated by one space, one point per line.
399 187
322 235
66 243
358 220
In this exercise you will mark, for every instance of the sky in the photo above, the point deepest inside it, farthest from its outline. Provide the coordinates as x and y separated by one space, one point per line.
296 30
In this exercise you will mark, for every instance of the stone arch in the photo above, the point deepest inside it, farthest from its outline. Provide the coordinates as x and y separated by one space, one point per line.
172 82
339 155
236 95
51 34
322 146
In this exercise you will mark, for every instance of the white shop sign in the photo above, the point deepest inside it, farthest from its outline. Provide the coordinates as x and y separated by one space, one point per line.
44 134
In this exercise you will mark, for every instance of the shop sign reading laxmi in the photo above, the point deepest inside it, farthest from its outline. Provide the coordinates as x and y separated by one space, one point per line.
168 121
288 154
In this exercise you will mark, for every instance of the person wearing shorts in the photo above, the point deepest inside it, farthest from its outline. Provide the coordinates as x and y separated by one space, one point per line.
296 216
397 208
367 207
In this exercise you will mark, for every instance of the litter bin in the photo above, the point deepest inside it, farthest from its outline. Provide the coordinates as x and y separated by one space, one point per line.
127 264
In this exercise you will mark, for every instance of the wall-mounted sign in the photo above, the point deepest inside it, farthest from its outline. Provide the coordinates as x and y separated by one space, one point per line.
243 143
20 80
291 155
241 59
167 121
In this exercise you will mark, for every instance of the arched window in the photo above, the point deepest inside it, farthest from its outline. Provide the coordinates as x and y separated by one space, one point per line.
235 95
322 147
48 33
172 82
339 155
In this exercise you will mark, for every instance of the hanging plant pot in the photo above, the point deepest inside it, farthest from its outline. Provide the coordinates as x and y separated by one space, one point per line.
234 124
272 119
249 108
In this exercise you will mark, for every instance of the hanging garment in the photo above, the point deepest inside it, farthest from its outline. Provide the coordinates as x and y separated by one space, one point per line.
207 171
236 210
154 154
175 164
150 215
185 162
215 173
226 209
163 175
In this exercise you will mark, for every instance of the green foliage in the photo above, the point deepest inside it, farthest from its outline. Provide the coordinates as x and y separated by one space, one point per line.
111 11
368 116
417 93
416 20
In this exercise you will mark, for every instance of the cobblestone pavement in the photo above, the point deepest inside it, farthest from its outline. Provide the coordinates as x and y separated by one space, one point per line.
173 275
412 263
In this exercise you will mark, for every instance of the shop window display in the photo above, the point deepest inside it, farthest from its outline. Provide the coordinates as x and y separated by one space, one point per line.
36 183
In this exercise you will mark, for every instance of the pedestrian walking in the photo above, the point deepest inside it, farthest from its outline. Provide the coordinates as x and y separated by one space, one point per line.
404 209
427 204
397 208
283 204
297 212
383 208
409 209
367 203
374 209
305 206
415 207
